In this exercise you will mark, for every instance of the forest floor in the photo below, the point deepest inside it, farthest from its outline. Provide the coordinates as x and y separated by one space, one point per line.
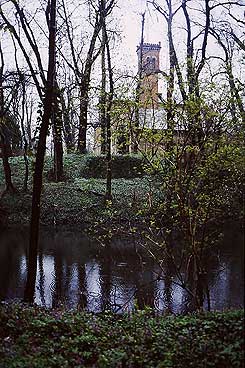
35 337
79 199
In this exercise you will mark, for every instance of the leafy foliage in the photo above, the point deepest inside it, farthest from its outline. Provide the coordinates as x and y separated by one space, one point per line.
34 337
123 166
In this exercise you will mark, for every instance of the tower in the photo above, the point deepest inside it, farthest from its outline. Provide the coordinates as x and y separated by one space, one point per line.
148 69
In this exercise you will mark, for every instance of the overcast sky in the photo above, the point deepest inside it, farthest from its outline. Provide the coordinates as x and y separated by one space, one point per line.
127 16
131 16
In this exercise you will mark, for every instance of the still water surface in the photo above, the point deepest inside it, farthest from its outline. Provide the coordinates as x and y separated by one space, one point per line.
76 272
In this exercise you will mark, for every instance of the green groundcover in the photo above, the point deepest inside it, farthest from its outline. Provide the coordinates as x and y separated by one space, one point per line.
36 337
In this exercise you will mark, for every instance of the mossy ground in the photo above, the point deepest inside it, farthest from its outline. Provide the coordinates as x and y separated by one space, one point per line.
35 337
79 200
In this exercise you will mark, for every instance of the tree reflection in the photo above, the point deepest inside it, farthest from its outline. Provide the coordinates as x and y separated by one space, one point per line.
106 279
122 274
82 284
11 256
41 281
58 284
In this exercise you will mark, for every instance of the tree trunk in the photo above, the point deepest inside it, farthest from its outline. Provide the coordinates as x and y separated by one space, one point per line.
68 136
6 166
170 90
234 91
83 118
38 173
5 146
58 152
57 138
108 195
25 185
135 129
103 100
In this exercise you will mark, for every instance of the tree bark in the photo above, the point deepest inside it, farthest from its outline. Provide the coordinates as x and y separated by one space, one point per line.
57 138
83 118
108 194
67 126
135 129
58 153
4 144
103 98
9 187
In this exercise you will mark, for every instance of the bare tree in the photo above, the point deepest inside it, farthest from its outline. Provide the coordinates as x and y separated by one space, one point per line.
83 72
39 77
190 92
228 40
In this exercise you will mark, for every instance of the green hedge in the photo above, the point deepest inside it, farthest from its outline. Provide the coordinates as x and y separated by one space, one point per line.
123 166
77 166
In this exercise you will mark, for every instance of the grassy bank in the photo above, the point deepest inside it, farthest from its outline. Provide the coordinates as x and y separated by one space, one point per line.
34 337
79 199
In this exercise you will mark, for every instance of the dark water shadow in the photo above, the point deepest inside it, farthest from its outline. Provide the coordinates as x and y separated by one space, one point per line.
79 273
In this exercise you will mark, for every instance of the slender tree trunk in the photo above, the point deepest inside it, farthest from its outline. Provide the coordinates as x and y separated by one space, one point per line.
6 166
57 138
108 195
170 89
234 92
5 146
58 152
28 123
135 130
83 118
68 136
38 173
103 99
25 186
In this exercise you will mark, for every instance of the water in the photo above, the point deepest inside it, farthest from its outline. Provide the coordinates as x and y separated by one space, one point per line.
76 272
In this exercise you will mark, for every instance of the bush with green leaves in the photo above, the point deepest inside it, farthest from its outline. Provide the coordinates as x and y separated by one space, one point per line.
123 166
201 187
35 337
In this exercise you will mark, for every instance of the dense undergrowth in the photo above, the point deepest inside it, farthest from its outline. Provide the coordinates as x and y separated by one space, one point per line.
139 200
79 200
35 337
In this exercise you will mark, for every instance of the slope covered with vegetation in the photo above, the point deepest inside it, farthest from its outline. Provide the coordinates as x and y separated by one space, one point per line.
79 199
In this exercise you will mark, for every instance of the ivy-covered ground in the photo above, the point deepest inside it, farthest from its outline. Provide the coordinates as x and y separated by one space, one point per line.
35 337
79 199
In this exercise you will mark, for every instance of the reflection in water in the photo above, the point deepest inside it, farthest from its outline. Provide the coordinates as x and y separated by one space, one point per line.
44 281
76 272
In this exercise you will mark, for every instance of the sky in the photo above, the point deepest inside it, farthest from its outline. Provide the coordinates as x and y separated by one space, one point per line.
131 12
127 17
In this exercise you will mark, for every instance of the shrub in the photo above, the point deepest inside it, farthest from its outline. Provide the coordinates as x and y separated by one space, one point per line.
123 166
